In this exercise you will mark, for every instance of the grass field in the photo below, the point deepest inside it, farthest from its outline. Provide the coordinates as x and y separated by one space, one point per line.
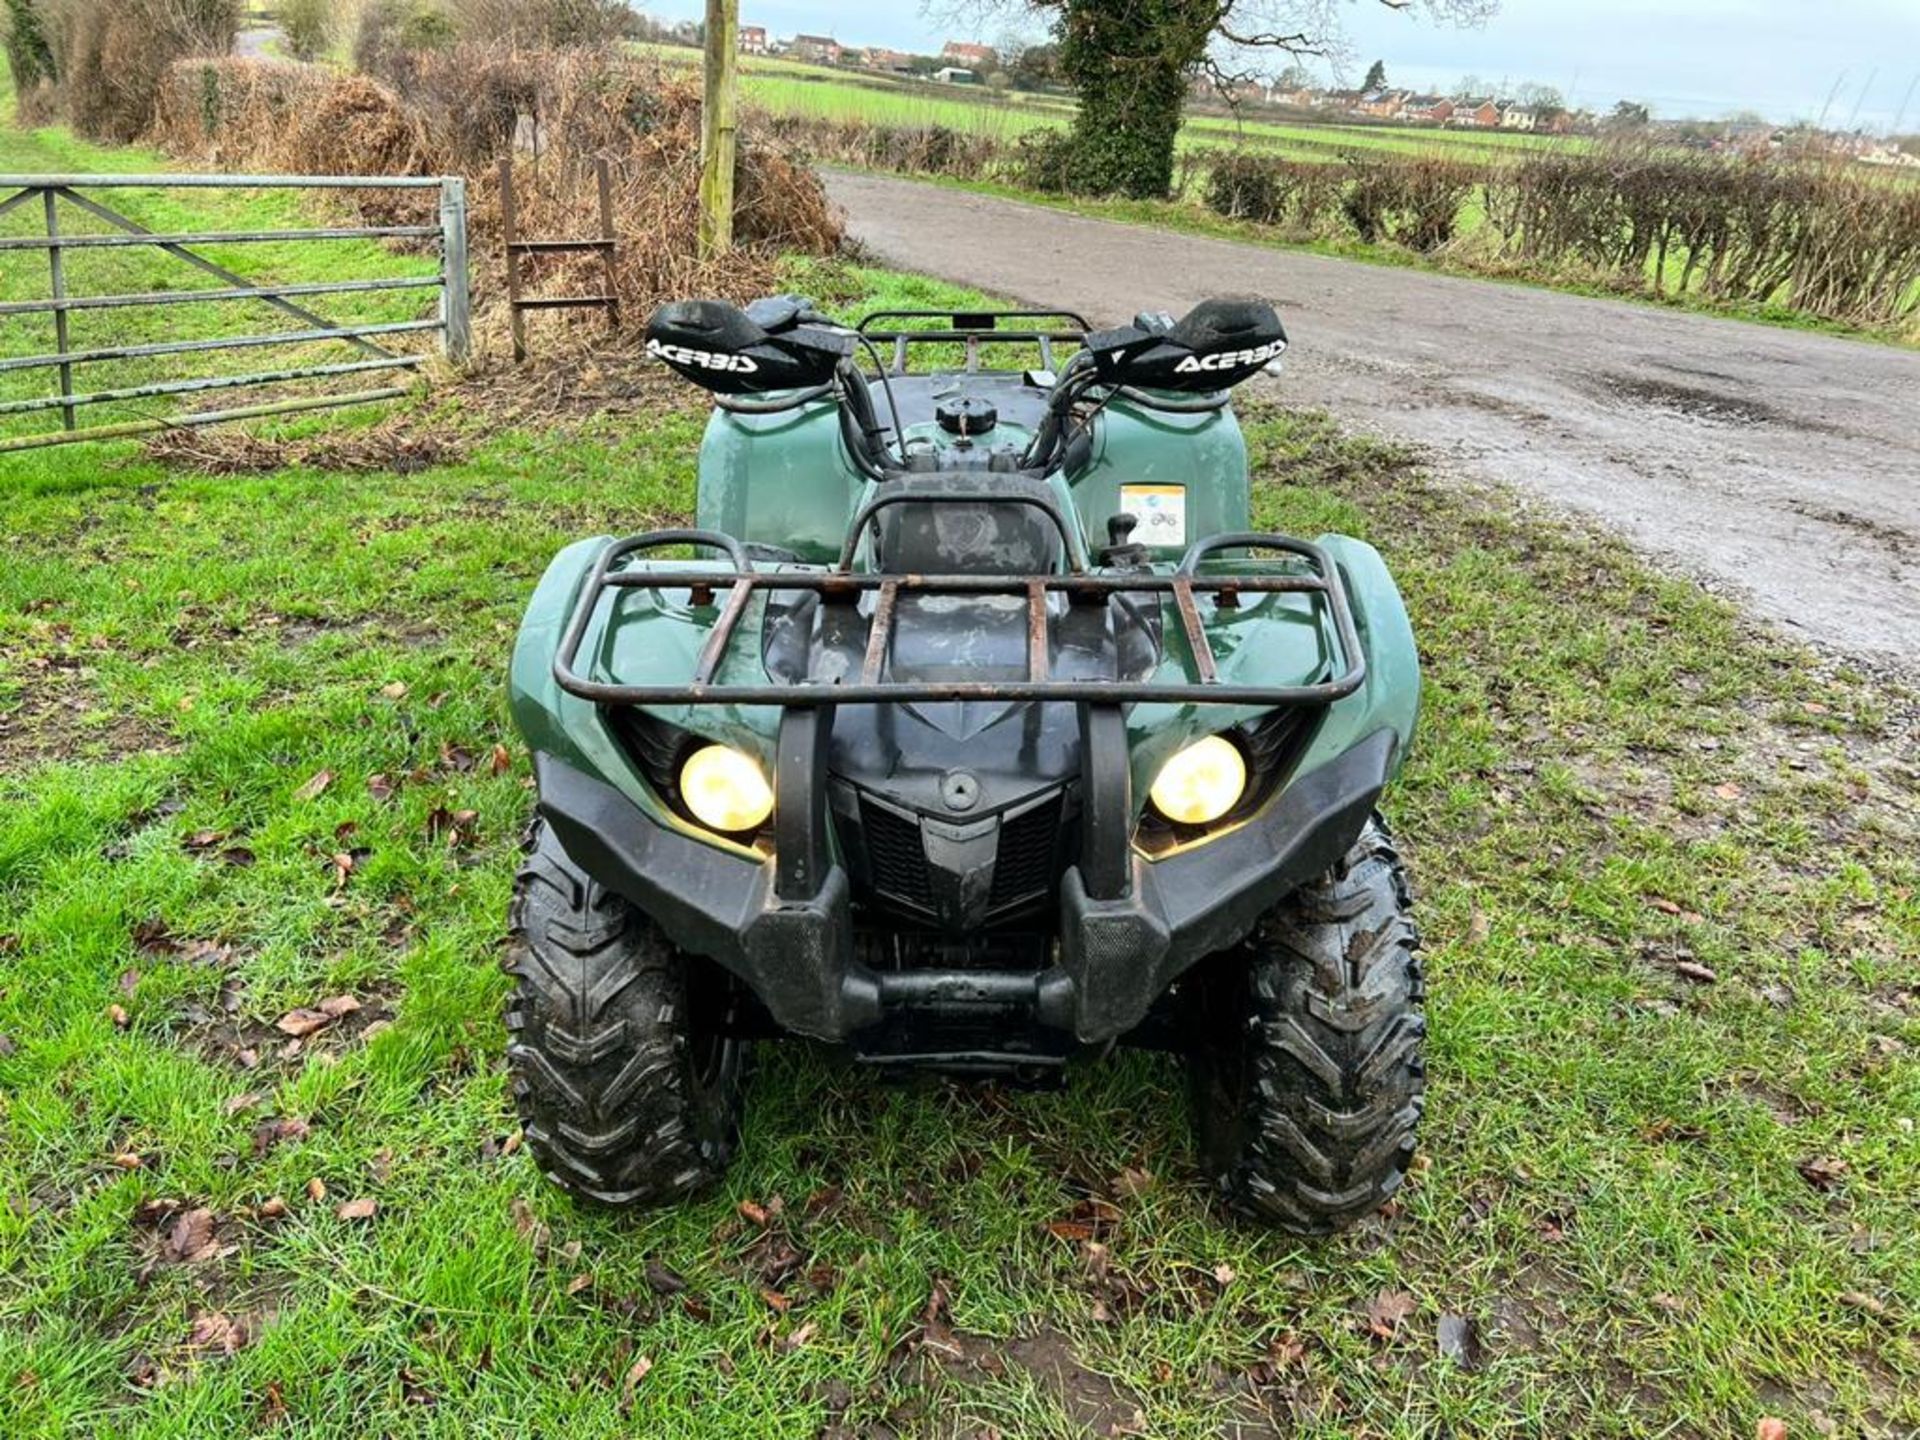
787 87
1668 881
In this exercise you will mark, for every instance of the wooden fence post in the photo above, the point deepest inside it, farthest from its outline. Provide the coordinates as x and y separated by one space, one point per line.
717 127
456 303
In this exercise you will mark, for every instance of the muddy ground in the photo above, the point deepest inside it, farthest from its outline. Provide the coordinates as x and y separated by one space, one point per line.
1779 466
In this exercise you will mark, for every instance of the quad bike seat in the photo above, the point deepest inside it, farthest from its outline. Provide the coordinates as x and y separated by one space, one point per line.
769 346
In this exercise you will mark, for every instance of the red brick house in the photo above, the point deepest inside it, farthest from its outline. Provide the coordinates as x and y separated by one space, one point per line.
972 57
753 39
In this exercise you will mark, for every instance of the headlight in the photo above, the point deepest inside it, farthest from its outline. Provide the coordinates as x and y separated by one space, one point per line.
1201 783
725 790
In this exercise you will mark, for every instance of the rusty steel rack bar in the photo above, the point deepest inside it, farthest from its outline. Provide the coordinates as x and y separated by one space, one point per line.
452 321
606 243
973 328
839 585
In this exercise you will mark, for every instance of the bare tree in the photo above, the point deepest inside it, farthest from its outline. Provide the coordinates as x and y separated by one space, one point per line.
1131 62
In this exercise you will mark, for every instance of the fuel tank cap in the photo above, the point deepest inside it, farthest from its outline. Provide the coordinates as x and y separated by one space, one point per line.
966 415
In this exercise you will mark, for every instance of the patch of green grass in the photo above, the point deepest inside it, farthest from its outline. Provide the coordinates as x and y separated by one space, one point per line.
1613 778
1617 787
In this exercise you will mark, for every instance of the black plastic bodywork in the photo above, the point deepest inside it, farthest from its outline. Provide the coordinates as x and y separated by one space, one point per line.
1127 928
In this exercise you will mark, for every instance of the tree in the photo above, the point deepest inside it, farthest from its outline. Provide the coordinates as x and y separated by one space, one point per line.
1471 87
1294 77
308 26
1132 62
1629 115
1376 77
29 56
1035 67
1539 97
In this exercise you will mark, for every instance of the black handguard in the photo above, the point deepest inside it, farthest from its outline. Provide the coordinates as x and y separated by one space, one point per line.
1216 346
765 348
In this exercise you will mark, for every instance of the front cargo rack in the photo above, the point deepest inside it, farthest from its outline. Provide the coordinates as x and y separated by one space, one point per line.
842 585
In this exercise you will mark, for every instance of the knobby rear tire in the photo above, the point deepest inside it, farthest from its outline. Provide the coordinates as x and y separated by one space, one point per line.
1308 1061
627 1092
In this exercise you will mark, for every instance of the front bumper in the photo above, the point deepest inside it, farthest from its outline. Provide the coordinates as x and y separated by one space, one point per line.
793 945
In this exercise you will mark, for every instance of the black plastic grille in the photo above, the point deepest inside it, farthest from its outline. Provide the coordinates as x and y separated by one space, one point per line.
1029 847
896 860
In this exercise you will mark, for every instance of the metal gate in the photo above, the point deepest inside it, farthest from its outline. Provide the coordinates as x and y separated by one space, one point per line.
451 321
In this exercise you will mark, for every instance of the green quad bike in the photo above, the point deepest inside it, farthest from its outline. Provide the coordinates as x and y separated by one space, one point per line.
973 729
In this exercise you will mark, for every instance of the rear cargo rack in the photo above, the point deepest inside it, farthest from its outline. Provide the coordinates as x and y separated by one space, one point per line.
973 328
843 585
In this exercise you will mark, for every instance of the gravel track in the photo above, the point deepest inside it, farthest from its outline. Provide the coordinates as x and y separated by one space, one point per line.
1781 467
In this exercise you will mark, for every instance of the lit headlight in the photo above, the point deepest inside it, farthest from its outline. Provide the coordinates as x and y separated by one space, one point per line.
1201 783
725 790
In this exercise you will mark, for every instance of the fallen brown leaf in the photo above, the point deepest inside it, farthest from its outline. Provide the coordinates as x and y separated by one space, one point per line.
339 1005
118 1015
1770 1428
273 1208
154 936
301 1023
1386 1310
580 1282
245 1101
636 1372
316 1189
753 1212
191 1237
127 1160
501 760
311 790
362 1209
1821 1172
214 1331
380 787
394 690
776 1300
1693 970
663 1279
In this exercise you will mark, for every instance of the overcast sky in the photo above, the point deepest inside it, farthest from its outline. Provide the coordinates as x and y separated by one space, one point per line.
1784 58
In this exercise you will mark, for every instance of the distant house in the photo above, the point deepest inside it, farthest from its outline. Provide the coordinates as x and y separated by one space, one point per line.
1300 98
815 49
753 39
881 58
1383 104
972 57
1479 112
955 75
1431 109
1519 117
